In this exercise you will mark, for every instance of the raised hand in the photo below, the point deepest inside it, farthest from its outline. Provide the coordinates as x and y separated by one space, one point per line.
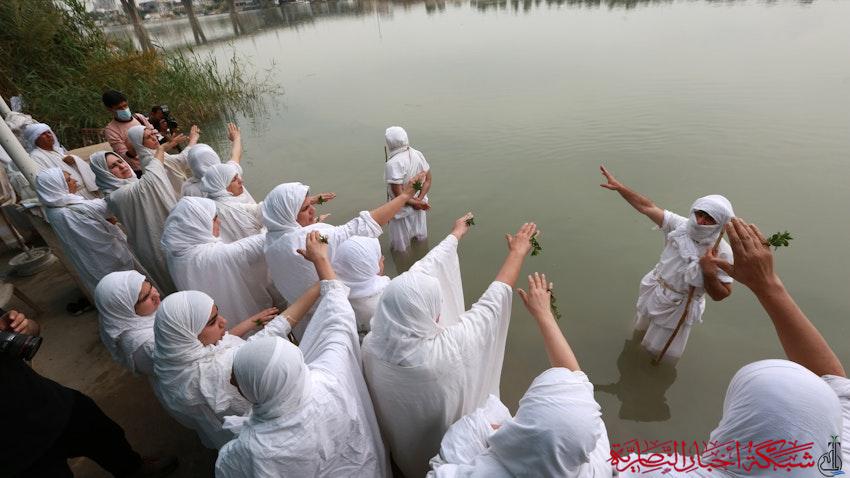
316 250
521 242
233 132
175 140
194 134
538 298
612 182
753 265
408 188
322 217
322 198
461 227
261 318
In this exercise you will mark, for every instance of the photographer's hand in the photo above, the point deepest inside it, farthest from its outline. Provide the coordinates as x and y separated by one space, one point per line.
14 321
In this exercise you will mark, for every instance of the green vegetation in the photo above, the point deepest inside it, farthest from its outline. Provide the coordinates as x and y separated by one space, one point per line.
55 56
779 240
535 246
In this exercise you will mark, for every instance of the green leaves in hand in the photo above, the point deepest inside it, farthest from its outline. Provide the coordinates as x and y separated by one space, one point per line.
535 246
779 240
554 306
470 221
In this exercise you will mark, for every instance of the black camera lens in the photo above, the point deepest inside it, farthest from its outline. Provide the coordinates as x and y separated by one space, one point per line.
19 345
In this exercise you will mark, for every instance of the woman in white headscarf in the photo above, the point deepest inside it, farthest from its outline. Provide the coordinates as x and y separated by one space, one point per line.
311 413
193 356
557 431
426 361
402 164
94 245
144 142
360 266
141 206
222 183
681 273
45 150
127 302
234 274
289 215
202 156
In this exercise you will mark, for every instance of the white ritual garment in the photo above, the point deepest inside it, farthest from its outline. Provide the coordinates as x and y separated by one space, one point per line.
234 274
95 246
141 206
767 401
239 219
45 159
423 374
357 264
664 290
191 380
201 157
176 165
292 274
404 162
557 433
312 415
127 335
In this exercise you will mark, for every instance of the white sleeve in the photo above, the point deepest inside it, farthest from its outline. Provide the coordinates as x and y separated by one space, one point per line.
394 172
362 225
467 437
277 327
330 341
671 221
841 387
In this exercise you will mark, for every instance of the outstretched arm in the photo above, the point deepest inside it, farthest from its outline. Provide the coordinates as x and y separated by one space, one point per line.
518 248
235 137
383 213
641 203
753 267
537 301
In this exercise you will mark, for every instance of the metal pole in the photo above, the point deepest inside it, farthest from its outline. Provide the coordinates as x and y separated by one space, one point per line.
15 150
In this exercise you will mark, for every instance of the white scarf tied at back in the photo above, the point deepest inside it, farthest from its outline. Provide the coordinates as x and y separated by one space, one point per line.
693 240
357 264
82 171
239 218
106 181
121 329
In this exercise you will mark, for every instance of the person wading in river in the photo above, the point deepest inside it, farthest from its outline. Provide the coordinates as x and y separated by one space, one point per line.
673 291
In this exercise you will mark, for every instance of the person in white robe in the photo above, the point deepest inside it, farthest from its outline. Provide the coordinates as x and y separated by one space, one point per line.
795 412
193 356
426 361
311 412
233 274
557 430
141 206
360 266
45 150
126 303
683 270
202 156
404 162
94 245
222 183
289 214
144 142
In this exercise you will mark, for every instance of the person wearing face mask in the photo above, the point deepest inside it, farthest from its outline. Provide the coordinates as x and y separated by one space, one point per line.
686 271
116 131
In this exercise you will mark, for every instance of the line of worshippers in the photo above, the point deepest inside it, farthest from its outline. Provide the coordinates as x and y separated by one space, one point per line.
358 369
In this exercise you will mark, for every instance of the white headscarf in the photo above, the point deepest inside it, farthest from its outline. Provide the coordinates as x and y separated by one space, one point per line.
115 298
272 375
188 225
356 263
201 157
281 207
693 239
217 178
397 141
52 189
106 181
33 131
136 134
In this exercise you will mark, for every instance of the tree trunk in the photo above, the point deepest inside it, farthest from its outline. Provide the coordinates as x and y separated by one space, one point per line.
141 33
193 21
238 29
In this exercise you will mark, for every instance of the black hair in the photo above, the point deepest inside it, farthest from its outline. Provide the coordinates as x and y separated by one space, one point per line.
156 109
112 97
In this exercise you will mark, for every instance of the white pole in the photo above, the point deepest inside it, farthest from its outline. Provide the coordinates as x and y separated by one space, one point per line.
4 108
14 149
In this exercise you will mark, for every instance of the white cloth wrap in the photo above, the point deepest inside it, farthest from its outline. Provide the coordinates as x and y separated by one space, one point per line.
239 219
176 165
404 162
693 239
200 158
81 171
122 331
357 264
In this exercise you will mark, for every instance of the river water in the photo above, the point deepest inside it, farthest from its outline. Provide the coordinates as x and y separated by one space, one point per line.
515 105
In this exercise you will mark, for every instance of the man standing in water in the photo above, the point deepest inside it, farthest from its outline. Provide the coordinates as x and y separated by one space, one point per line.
686 271
403 163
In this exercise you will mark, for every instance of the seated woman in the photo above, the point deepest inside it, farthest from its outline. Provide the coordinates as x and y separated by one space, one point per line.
311 413
557 431
94 245
289 215
426 361
202 157
145 143
360 266
141 205
234 274
222 183
193 355
44 148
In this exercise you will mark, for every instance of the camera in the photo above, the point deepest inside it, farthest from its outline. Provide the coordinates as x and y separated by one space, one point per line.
19 346
166 115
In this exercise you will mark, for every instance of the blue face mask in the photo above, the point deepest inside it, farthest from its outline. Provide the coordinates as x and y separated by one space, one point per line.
123 115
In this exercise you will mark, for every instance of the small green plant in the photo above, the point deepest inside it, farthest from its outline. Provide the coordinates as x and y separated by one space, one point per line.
323 239
470 221
535 246
417 186
779 240
321 200
258 322
554 306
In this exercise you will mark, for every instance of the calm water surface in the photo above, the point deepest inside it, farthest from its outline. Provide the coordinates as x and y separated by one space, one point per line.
516 104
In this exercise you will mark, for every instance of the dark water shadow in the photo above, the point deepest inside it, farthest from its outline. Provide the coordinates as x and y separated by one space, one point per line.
403 260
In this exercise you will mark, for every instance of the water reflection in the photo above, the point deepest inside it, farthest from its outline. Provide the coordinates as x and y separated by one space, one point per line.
403 260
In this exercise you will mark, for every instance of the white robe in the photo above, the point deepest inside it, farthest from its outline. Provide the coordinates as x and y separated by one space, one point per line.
234 274
557 432
239 218
81 172
94 246
200 158
768 400
424 375
316 420
192 381
127 335
176 165
357 265
404 163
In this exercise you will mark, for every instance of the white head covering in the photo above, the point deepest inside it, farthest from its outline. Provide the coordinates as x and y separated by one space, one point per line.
692 239
397 141
52 189
106 181
356 263
217 178
272 375
281 206
188 225
180 318
33 131
115 298
136 134
201 157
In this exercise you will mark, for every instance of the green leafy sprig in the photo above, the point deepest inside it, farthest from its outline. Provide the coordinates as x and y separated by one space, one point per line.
535 246
417 186
470 221
554 306
779 240
321 200
323 239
